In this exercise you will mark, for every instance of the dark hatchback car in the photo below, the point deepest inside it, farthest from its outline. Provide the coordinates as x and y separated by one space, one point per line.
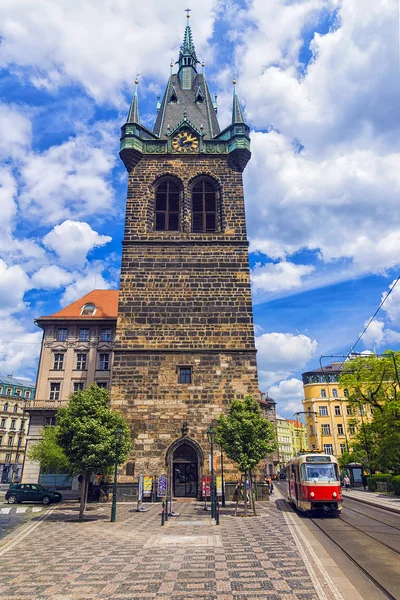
29 492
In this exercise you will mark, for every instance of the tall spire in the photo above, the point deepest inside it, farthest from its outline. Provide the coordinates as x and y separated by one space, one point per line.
237 114
187 57
133 115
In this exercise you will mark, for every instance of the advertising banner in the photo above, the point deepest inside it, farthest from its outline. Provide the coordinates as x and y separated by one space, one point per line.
147 486
206 486
218 481
162 486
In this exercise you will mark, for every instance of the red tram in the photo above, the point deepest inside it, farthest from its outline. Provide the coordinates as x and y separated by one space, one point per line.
313 483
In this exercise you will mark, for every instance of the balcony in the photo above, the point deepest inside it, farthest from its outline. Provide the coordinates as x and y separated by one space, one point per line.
45 405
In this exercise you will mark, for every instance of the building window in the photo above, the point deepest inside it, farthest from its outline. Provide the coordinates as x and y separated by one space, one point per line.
326 430
50 421
104 362
27 394
346 393
88 310
6 407
102 384
8 458
340 429
342 448
328 449
352 429
81 362
185 375
17 458
337 411
10 441
13 421
349 410
62 334
18 392
315 379
55 391
78 386
323 411
3 423
106 335
334 393
8 391
84 335
362 412
323 394
204 207
58 364
15 407
167 206
1 440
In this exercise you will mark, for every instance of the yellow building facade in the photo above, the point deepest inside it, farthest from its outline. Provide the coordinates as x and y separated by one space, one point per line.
330 421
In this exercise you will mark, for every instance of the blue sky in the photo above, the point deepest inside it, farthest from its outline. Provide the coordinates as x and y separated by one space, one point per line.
319 83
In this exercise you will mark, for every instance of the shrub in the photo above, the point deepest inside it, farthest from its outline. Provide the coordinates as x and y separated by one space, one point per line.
396 485
371 481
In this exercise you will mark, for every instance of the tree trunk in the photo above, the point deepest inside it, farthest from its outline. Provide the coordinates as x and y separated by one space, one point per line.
84 491
251 494
245 494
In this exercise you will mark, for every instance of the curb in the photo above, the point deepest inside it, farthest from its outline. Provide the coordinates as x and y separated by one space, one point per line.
374 504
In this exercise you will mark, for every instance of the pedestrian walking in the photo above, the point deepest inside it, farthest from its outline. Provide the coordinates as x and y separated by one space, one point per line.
364 481
347 482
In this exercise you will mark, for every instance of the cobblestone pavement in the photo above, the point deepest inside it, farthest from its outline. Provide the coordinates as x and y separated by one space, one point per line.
190 558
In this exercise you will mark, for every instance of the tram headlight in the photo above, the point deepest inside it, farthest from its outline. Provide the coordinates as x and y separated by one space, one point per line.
334 494
312 494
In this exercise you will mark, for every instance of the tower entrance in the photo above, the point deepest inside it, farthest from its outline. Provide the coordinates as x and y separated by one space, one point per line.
185 466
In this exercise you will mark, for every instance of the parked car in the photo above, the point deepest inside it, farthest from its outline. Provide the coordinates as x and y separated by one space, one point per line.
282 475
29 492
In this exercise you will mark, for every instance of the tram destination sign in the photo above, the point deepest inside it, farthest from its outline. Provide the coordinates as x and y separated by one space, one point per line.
318 459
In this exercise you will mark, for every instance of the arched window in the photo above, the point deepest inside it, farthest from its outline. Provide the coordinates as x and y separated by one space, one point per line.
204 207
167 206
323 394
6 407
346 393
334 393
88 309
15 407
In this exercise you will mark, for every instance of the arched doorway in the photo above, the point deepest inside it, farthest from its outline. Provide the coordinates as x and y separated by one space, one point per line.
184 460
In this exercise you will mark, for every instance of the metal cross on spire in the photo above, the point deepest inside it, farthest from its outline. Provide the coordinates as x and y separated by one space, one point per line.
188 11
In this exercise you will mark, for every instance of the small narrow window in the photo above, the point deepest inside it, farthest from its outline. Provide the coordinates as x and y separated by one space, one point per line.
27 394
323 394
78 386
346 393
130 469
337 411
342 448
185 375
10 441
204 207
6 407
167 206
18 392
340 429
15 407
13 422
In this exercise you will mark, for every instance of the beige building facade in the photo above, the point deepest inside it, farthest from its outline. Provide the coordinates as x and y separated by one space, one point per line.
77 350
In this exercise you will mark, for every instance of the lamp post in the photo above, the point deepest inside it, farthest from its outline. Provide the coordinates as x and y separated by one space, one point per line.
211 439
118 440
222 477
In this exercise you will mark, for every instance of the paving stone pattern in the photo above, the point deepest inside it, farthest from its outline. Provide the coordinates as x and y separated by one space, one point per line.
188 559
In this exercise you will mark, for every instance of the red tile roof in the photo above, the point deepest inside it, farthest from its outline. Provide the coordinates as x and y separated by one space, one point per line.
105 301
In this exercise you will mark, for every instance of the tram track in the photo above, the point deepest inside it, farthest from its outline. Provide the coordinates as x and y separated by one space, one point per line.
372 518
381 586
369 534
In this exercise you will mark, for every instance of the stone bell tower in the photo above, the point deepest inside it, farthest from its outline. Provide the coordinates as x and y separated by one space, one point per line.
185 342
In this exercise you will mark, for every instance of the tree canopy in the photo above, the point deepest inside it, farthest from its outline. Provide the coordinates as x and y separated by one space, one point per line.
49 453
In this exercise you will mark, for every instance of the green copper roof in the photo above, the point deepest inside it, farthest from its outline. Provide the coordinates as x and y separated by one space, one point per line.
237 114
133 115
187 47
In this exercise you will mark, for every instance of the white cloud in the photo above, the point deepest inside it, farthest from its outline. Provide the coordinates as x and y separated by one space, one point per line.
281 276
19 348
16 132
51 278
288 394
375 334
72 240
392 304
99 45
13 284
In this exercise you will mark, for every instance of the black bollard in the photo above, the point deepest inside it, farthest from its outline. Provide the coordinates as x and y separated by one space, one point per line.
163 513
166 508
217 513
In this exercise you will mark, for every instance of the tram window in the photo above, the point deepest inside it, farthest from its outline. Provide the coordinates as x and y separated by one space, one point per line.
326 472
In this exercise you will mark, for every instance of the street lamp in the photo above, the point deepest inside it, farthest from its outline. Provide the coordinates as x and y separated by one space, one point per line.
211 439
118 433
222 477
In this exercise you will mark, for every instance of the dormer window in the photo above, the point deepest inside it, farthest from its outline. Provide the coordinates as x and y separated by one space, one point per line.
88 310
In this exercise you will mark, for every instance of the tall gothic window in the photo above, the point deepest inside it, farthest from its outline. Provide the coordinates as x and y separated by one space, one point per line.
167 206
204 207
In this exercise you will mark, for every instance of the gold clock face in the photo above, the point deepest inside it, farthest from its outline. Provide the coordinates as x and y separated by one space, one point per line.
184 141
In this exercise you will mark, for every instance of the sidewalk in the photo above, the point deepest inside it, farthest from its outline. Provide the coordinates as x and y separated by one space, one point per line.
385 501
190 558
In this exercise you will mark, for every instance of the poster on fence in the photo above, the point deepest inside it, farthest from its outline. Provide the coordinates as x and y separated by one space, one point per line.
147 486
206 486
162 486
218 481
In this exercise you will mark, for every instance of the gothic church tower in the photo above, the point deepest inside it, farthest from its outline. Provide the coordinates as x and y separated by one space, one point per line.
185 342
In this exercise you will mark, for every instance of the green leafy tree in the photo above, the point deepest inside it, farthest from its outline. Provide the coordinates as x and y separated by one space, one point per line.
86 433
246 436
49 453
